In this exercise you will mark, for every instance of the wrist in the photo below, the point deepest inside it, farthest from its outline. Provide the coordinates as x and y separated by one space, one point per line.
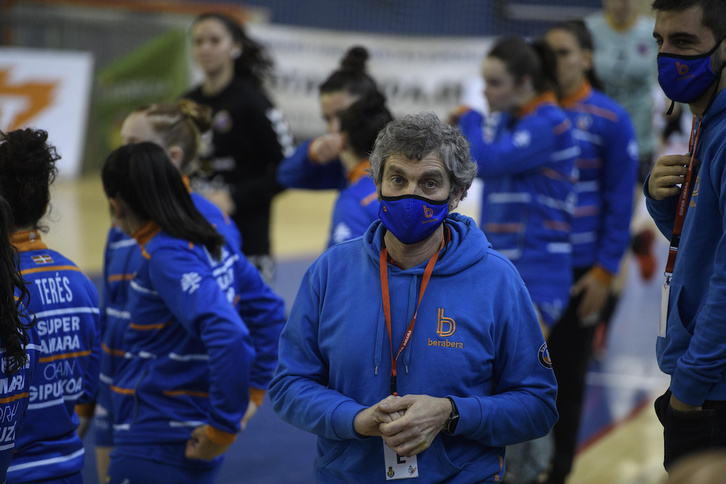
452 420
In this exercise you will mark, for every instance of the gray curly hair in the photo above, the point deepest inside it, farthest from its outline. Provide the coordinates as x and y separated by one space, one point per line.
417 135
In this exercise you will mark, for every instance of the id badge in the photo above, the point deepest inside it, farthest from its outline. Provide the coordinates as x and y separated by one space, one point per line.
664 297
398 466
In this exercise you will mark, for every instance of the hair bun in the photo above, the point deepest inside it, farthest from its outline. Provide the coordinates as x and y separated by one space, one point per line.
355 59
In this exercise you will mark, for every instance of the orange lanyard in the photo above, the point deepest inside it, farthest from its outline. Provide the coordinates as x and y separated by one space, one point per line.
682 203
387 307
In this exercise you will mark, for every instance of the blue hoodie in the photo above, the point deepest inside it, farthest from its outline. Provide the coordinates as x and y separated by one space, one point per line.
335 357
693 351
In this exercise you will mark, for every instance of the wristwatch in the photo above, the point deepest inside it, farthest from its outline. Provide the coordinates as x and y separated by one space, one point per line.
450 425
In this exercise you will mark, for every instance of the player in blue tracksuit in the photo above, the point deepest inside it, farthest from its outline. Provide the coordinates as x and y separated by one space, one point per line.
318 164
357 205
20 344
473 352
529 172
176 128
607 167
179 396
65 303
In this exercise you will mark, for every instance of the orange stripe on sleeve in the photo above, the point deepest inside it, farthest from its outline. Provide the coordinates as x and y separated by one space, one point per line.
123 391
49 269
46 359
112 351
19 396
119 277
147 327
191 393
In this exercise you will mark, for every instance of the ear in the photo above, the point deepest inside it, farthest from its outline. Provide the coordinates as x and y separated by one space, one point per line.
117 208
344 141
176 154
454 202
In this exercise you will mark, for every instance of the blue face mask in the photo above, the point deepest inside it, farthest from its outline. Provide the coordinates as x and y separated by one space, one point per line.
411 218
684 78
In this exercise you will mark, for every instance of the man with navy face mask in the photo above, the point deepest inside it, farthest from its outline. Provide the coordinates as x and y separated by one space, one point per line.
415 351
686 196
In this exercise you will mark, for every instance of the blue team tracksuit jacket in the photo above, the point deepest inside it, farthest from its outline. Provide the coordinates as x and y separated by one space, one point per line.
607 165
529 195
262 310
187 351
65 303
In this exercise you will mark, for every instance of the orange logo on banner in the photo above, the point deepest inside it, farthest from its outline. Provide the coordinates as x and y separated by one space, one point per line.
39 95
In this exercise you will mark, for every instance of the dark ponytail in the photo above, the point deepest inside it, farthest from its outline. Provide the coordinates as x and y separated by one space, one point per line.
535 60
143 176
13 331
352 75
362 121
582 36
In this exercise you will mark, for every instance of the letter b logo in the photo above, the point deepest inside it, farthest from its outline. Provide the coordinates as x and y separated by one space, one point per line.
444 326
428 212
682 68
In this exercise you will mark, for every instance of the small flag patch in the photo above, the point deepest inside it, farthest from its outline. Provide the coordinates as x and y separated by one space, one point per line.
42 259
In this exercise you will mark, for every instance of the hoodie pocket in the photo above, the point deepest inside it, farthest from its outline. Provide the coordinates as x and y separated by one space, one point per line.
329 450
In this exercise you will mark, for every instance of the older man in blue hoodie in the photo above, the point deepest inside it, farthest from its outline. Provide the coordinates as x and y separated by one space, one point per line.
414 350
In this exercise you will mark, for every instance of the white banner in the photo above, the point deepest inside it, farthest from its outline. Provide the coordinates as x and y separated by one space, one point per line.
416 73
49 90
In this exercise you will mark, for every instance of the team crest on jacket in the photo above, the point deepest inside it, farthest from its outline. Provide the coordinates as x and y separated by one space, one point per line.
544 356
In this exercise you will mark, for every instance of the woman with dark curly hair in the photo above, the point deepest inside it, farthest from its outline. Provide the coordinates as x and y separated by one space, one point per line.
19 340
249 136
65 303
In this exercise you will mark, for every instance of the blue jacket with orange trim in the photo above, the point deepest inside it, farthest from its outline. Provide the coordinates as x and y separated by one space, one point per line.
529 194
476 339
65 303
299 171
187 351
262 311
355 208
694 347
607 166
14 396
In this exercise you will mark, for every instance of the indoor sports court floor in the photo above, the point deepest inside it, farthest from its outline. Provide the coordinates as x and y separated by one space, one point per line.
621 438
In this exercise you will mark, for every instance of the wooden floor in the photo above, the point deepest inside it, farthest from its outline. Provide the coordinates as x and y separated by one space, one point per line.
627 448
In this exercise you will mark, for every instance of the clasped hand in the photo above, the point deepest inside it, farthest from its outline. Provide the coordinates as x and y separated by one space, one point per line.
407 424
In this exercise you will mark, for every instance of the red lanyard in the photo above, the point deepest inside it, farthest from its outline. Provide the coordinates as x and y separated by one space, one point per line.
387 306
682 203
